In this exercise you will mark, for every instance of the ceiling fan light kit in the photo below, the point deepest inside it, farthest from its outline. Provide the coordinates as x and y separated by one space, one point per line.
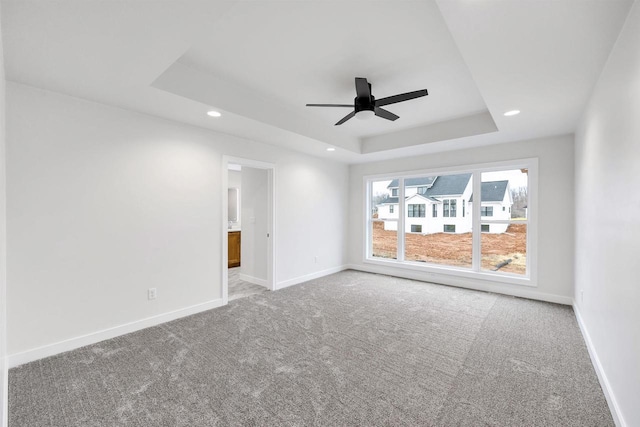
366 106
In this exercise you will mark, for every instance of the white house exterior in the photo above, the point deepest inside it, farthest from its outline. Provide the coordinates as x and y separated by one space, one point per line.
496 205
444 204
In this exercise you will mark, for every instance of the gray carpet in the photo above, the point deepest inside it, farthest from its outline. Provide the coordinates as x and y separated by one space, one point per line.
348 349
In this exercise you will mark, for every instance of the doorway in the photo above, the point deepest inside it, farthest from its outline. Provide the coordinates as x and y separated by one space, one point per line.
248 226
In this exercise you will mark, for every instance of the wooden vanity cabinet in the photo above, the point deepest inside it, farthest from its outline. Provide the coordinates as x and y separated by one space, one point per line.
234 249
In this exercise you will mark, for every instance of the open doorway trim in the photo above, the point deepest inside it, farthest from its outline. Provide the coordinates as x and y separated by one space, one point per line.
271 247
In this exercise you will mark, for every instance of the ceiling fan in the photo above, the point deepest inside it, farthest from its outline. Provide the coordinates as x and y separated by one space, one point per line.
365 105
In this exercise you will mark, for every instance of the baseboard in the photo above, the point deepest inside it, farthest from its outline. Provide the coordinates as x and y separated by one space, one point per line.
27 356
307 277
254 280
4 420
602 376
460 282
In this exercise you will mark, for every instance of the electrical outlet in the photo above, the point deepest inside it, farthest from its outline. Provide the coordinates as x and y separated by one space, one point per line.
315 259
152 293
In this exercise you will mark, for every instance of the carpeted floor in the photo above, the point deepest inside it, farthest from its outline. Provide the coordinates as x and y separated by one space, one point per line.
348 349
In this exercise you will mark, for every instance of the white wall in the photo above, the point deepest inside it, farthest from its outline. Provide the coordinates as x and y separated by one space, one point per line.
3 245
555 189
255 220
104 203
608 222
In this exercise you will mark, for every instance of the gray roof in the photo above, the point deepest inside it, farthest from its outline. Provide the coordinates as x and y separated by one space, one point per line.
449 185
443 185
493 191
414 182
390 201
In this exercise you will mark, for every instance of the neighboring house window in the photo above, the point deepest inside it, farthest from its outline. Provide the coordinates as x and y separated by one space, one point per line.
449 208
503 209
449 228
422 190
390 208
416 228
416 211
484 228
434 211
486 211
394 192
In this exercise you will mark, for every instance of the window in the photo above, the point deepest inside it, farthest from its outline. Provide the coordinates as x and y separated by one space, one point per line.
394 192
484 242
415 211
449 208
504 245
383 241
422 190
390 208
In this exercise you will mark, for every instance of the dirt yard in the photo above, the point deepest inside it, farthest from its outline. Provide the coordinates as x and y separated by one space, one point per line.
455 249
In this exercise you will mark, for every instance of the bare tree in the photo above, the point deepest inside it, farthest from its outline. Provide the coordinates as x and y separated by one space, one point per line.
378 199
520 199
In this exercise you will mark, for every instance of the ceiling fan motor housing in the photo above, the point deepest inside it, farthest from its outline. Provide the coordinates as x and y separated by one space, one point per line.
364 104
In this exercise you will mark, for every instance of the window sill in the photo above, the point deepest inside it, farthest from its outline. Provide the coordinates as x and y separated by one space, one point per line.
434 271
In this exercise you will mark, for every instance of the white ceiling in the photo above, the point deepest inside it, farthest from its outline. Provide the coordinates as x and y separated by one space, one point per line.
259 62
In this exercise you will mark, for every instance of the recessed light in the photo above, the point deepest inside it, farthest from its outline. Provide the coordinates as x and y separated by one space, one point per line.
512 113
331 149
213 113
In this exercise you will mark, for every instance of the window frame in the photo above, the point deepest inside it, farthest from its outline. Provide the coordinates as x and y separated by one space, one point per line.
484 211
411 210
528 279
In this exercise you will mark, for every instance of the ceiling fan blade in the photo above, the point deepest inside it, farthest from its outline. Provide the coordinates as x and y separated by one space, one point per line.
402 97
381 112
345 118
363 89
330 105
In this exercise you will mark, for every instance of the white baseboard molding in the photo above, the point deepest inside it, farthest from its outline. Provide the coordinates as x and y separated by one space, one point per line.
461 282
27 356
602 376
307 277
254 280
4 418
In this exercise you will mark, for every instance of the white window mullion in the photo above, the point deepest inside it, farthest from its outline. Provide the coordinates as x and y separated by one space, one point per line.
368 252
476 221
401 216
